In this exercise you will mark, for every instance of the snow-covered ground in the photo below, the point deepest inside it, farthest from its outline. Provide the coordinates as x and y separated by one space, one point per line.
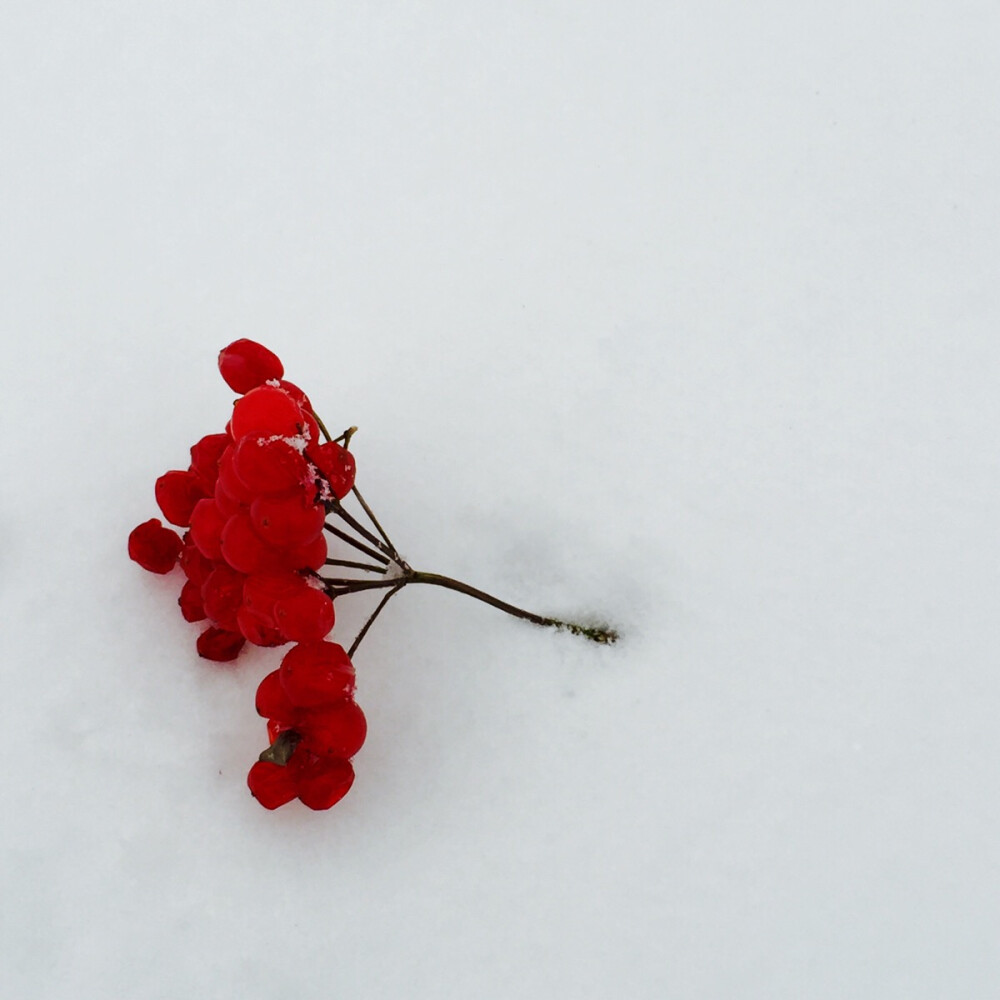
685 315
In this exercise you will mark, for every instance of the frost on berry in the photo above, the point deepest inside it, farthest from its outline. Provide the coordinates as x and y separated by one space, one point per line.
245 364
255 499
265 412
336 468
267 466
154 547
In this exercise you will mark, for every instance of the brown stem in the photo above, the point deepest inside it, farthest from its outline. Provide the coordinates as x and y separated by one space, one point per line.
596 633
338 509
360 546
357 565
368 624
379 528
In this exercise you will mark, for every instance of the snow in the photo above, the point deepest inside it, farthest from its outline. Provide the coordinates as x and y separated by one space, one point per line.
682 316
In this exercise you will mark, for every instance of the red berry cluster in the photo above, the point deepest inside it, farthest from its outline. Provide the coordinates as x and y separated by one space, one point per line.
254 500
314 724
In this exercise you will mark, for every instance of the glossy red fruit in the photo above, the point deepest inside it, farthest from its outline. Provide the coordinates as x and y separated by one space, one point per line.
336 731
264 412
176 494
304 616
268 466
271 784
190 602
311 556
227 504
245 550
296 393
230 483
154 547
263 590
287 522
196 567
315 674
271 700
222 595
220 644
336 465
205 457
257 630
321 781
311 430
245 364
207 522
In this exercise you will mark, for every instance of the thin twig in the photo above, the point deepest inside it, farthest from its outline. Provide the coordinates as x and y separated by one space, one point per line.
341 586
373 519
322 426
357 565
368 624
361 547
353 522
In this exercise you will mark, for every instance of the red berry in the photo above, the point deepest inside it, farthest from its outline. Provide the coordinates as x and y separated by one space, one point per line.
336 731
245 364
191 604
321 781
268 466
304 616
222 593
207 522
257 630
230 482
245 550
271 784
311 428
176 494
154 547
227 504
220 644
311 556
336 465
316 673
287 522
205 457
264 412
196 567
296 393
263 590
272 702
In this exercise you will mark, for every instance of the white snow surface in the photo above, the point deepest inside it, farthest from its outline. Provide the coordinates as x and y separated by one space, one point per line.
682 315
